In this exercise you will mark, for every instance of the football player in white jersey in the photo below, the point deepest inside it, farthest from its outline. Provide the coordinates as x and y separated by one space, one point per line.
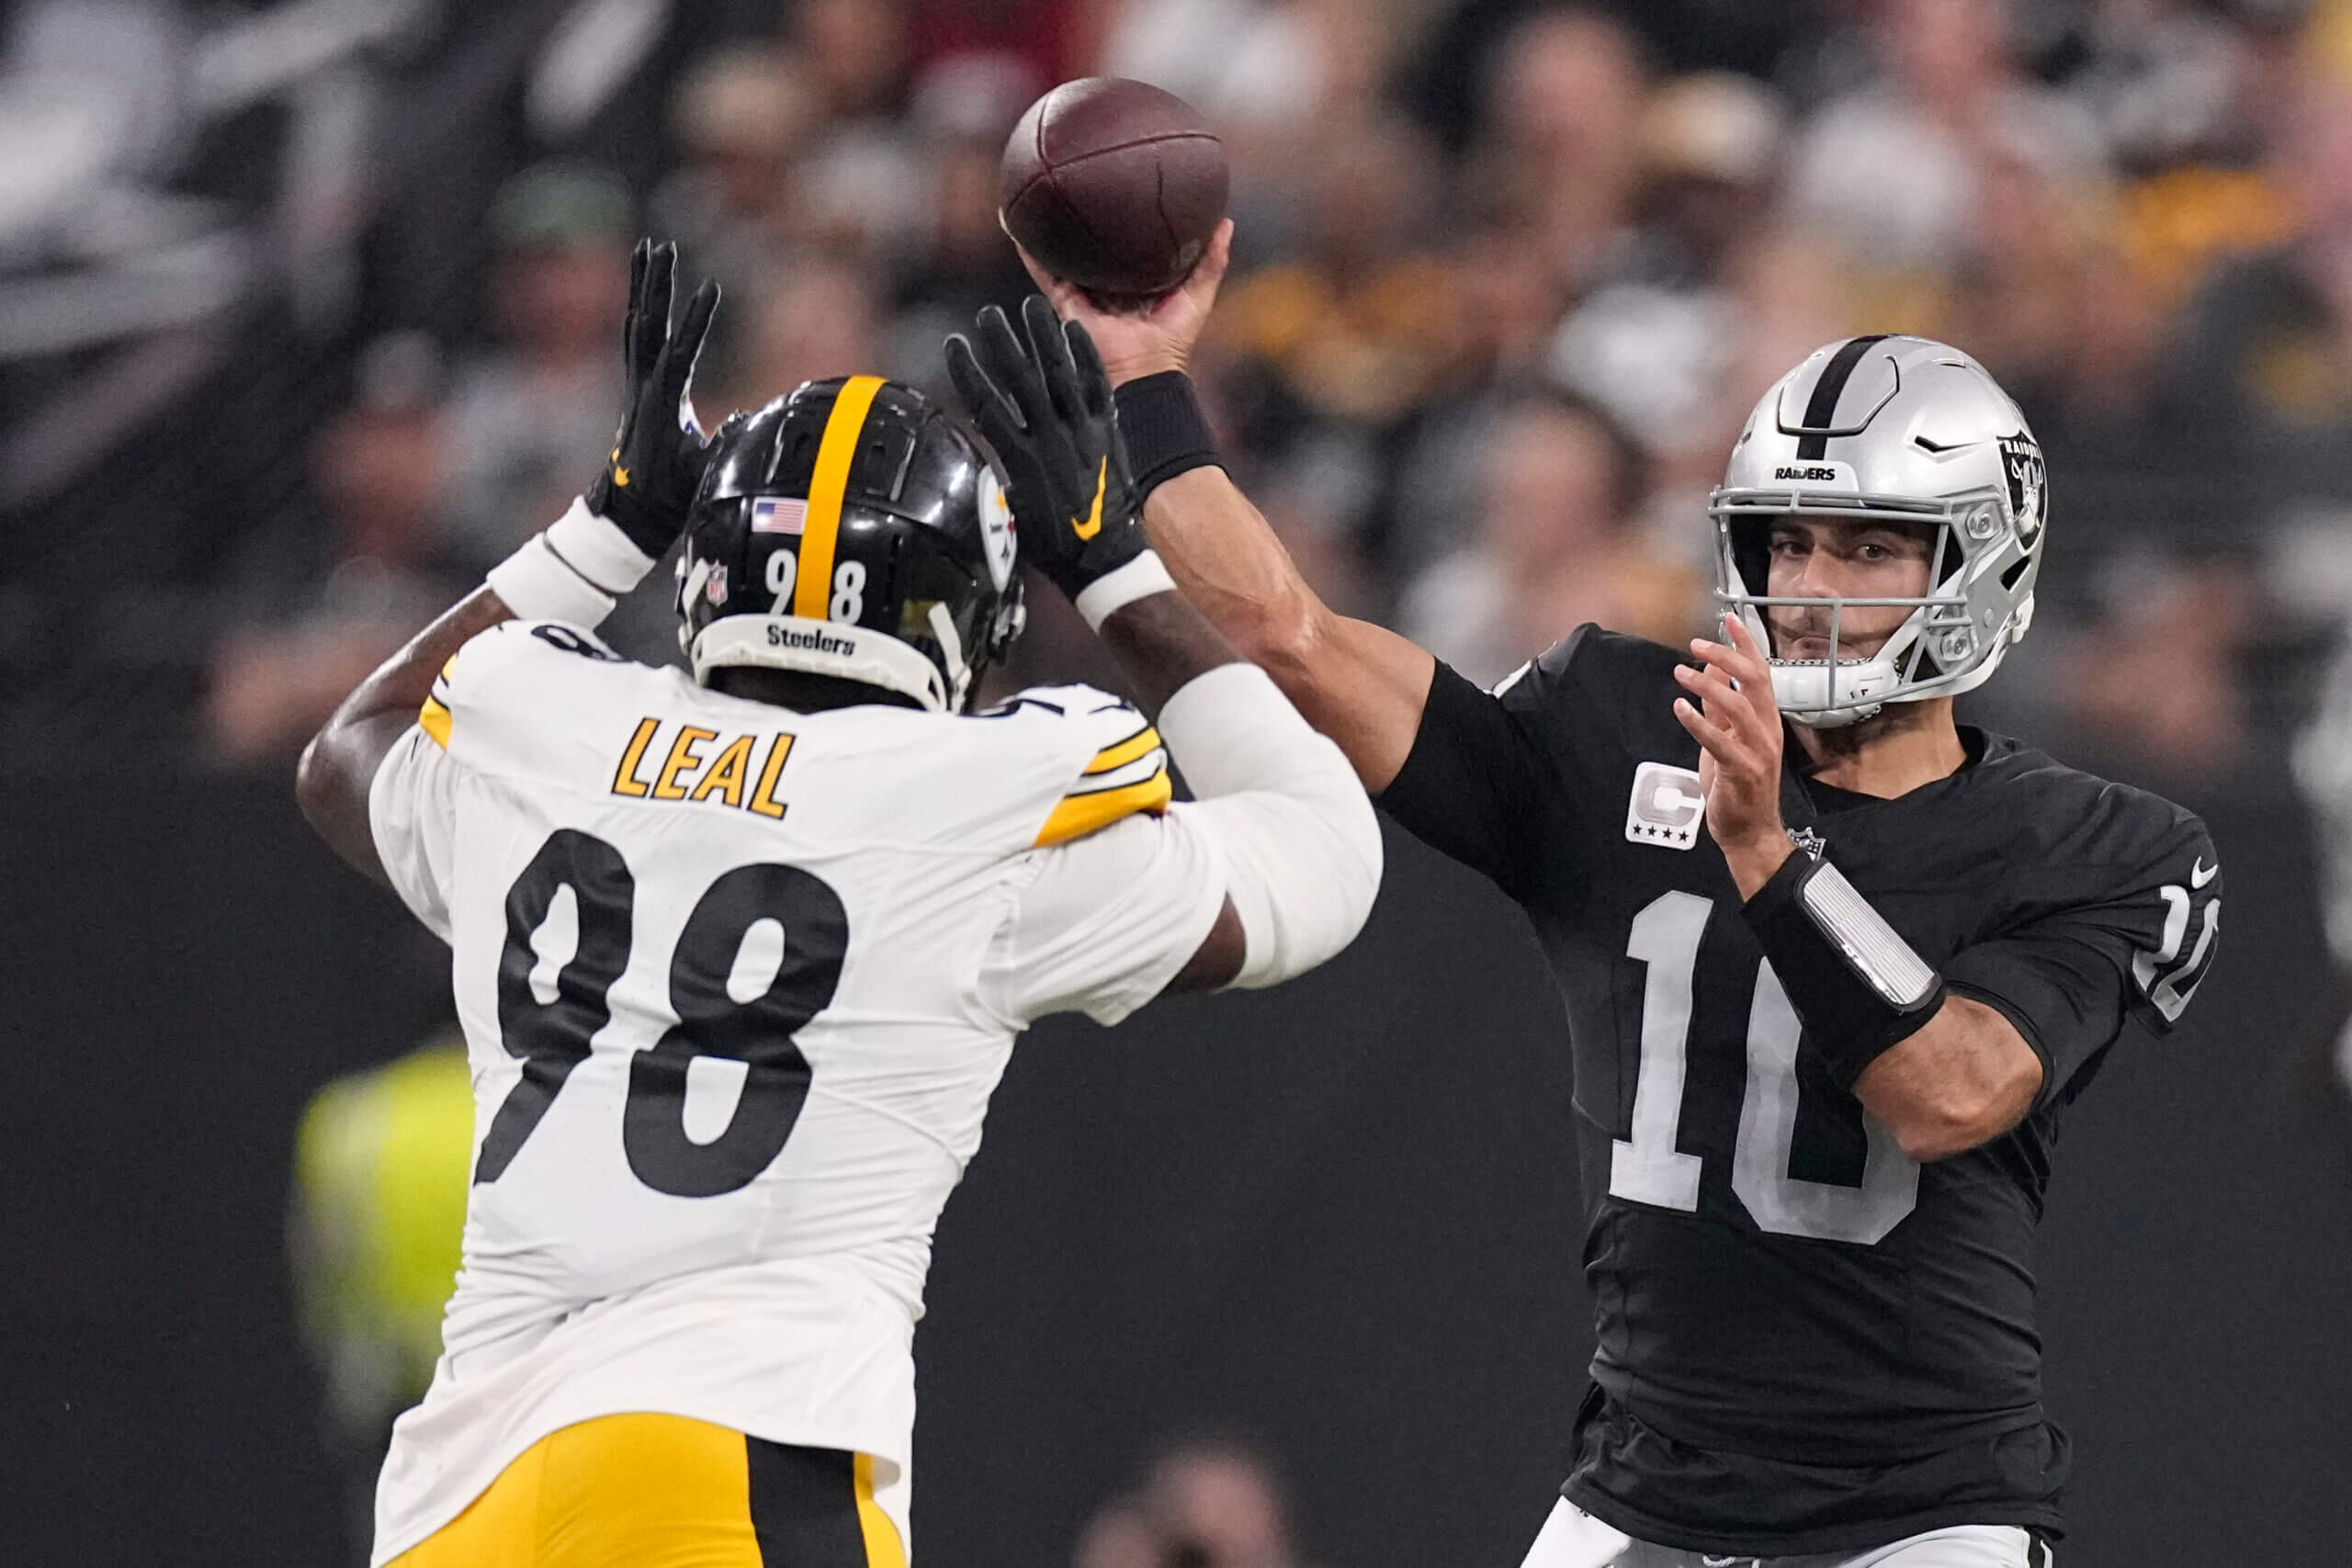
741 956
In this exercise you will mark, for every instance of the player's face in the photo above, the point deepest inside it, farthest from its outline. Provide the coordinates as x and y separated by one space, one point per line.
1815 558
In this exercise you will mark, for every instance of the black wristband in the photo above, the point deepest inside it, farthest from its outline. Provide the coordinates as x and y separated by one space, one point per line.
1163 428
1857 986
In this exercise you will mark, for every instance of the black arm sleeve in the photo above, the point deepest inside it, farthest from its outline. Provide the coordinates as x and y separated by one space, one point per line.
1472 786
2063 998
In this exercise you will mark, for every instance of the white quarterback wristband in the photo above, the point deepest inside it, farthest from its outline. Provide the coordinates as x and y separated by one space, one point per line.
1140 578
572 572
1876 950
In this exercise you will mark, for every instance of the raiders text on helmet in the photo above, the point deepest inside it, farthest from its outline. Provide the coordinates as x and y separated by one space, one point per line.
851 529
1889 430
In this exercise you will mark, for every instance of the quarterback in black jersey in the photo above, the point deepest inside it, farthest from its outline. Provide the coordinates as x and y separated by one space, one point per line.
1834 964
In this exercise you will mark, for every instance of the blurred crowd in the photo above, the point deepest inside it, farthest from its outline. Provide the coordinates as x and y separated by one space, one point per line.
324 299
309 313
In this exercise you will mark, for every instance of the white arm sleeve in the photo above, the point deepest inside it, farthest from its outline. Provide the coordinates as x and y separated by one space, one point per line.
412 812
1108 920
1281 828
1285 814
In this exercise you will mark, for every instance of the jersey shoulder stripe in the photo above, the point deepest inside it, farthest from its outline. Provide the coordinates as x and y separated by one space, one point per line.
1113 758
541 699
434 717
1089 810
1116 765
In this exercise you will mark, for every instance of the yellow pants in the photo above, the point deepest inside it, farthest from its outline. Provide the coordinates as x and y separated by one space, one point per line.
650 1491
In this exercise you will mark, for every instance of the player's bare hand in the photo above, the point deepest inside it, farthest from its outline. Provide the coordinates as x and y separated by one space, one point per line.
1159 337
1730 711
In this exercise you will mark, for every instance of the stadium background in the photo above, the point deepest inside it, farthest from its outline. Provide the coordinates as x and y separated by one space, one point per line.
307 313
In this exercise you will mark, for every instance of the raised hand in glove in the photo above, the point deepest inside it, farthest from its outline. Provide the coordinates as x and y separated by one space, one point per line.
649 480
1046 407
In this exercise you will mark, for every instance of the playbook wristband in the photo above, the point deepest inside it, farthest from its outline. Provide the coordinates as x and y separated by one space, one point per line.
1163 429
573 571
1856 985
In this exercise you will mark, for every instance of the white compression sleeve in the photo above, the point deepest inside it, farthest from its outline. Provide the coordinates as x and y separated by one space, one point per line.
572 571
1300 844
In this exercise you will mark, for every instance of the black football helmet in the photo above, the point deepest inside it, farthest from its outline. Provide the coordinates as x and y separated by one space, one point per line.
850 528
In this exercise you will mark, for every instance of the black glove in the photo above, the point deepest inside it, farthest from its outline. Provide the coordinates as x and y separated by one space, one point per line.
1046 410
656 465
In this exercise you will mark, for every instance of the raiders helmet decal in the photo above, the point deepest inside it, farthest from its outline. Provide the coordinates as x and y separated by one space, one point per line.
2027 483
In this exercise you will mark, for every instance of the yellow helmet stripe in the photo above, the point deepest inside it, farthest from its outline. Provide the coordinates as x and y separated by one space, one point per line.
813 590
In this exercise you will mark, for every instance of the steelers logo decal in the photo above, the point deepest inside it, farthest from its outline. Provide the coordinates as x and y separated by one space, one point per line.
996 530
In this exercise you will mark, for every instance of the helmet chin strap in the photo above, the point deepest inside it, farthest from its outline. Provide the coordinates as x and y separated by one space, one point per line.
1831 693
1802 689
959 674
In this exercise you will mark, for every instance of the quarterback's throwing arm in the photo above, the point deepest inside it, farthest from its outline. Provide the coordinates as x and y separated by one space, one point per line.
1833 964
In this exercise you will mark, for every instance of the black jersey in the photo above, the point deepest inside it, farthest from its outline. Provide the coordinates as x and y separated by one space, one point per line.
1807 1341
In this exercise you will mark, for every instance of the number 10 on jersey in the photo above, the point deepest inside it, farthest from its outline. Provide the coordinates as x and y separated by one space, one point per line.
1647 1167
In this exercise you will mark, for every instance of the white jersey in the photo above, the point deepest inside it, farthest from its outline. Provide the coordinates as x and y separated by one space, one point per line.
736 984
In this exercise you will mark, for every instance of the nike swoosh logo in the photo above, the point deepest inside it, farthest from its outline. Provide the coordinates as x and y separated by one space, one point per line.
2200 874
1093 524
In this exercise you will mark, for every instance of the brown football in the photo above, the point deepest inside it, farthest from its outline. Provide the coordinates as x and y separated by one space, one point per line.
1112 184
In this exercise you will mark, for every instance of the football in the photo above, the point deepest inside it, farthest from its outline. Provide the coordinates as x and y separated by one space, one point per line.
1113 185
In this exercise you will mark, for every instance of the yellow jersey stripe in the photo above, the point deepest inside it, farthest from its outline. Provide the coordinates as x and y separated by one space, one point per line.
1078 815
883 1548
1141 743
813 590
434 717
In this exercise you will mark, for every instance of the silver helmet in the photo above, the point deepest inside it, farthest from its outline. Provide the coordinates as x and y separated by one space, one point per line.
1889 430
